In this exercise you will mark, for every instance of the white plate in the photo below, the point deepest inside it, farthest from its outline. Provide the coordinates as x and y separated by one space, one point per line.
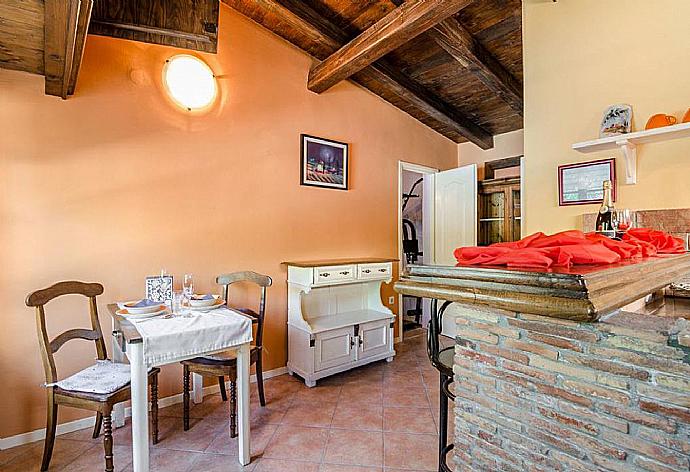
140 310
216 304
141 316
204 303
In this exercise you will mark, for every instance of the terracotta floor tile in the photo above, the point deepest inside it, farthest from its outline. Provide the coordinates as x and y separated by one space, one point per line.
359 393
354 447
320 393
219 463
410 451
277 465
408 420
310 414
355 416
261 435
64 452
8 455
348 468
297 443
199 436
405 397
94 459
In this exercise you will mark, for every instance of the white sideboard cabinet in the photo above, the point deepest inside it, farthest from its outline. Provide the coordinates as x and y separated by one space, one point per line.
336 320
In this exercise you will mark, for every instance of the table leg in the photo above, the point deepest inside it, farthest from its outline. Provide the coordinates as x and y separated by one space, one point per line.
140 417
118 414
243 402
197 388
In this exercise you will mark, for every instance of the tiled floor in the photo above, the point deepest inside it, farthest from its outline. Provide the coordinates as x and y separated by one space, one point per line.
381 417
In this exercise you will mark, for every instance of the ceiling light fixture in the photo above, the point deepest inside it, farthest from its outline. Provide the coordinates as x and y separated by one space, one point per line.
190 82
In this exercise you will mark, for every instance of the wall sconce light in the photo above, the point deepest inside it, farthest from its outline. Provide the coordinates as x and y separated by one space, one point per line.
190 82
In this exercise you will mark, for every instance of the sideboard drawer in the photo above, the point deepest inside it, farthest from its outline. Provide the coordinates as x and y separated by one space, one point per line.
374 271
328 275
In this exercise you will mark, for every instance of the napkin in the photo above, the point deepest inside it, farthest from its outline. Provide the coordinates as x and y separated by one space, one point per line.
143 303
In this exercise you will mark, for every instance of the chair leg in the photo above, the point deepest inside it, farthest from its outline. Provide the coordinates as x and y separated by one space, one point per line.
51 424
108 441
233 409
97 426
185 397
154 408
221 385
260 379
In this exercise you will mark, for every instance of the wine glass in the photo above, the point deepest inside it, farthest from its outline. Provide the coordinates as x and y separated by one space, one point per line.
188 287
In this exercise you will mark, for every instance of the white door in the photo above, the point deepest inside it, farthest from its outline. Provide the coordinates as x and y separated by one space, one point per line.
450 213
334 348
374 338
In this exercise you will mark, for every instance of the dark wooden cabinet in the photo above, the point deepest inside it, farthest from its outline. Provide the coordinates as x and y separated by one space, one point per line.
499 211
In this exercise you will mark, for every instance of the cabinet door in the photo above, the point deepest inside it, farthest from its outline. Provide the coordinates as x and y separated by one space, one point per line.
374 338
334 348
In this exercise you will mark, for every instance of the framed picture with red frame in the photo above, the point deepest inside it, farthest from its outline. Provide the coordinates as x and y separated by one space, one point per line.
582 183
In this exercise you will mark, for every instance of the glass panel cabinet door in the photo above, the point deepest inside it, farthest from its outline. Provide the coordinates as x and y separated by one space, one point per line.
491 217
517 215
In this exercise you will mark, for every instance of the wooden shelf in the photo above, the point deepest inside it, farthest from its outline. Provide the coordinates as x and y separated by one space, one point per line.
628 144
341 320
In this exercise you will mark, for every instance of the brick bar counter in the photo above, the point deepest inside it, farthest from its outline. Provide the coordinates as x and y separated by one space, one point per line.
551 374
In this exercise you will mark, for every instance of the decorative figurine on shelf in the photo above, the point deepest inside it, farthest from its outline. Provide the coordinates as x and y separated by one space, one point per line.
159 288
617 120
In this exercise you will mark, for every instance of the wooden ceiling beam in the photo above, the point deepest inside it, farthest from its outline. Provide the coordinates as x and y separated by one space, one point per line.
454 38
65 29
399 26
311 24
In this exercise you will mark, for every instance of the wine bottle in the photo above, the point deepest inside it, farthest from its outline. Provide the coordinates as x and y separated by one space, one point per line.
606 223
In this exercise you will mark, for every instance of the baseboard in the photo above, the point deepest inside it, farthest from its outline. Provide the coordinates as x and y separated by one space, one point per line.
71 426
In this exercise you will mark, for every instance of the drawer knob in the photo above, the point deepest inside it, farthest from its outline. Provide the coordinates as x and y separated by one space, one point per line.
367 271
325 274
383 270
344 273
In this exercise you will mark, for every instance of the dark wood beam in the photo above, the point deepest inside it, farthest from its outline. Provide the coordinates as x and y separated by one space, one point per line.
399 26
65 26
459 43
329 37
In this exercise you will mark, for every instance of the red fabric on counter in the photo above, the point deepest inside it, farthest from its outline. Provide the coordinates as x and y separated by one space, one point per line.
568 248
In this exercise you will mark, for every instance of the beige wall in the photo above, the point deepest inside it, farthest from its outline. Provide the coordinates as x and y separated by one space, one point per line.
115 184
505 145
582 56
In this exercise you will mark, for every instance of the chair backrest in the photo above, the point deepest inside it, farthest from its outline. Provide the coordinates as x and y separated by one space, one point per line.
433 344
263 281
39 298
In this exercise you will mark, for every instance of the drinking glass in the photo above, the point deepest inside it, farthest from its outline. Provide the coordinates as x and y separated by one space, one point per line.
624 220
188 286
178 296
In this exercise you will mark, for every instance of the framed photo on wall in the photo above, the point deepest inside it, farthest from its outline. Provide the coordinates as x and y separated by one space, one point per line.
582 183
324 163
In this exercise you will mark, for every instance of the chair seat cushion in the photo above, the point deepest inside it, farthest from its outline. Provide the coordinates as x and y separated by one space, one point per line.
102 378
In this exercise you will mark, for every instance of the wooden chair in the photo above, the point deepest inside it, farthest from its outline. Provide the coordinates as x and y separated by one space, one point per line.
101 403
225 365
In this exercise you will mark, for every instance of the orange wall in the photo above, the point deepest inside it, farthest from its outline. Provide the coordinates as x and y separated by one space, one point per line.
115 184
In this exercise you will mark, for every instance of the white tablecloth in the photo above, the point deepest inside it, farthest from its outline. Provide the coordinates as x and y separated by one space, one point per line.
168 340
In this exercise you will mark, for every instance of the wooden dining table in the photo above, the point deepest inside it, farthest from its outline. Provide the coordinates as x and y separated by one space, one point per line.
129 343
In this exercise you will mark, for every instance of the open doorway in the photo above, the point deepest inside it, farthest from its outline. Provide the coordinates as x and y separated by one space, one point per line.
414 311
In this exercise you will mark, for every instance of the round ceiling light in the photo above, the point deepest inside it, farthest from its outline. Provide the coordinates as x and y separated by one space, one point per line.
190 82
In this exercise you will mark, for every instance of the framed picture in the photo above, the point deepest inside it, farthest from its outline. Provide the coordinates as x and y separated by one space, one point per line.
324 163
582 183
159 288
